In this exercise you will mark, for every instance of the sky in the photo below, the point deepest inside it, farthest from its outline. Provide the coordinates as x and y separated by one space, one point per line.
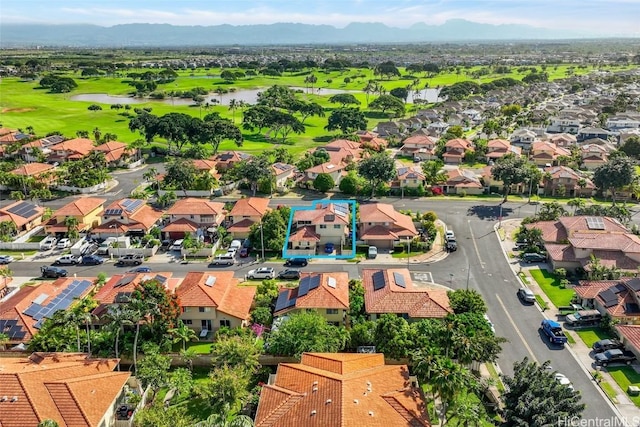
611 17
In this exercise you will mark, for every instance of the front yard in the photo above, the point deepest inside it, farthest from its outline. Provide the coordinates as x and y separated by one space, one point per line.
591 335
626 376
550 285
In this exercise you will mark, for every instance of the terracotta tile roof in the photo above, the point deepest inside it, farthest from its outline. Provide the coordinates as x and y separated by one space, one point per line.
307 233
549 147
32 169
228 158
193 206
80 207
7 131
69 388
616 259
378 232
626 300
282 168
80 146
459 143
241 226
332 292
113 150
462 178
399 224
385 294
340 389
499 144
181 225
630 333
327 167
559 252
119 285
250 206
223 293
589 289
44 293
205 164
322 214
410 173
421 139
19 220
142 216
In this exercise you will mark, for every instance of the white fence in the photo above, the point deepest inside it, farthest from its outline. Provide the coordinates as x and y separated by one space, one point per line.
86 190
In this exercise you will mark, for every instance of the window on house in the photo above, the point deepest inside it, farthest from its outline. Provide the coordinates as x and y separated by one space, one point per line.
204 309
332 311
323 226
225 323
191 216
336 226
188 322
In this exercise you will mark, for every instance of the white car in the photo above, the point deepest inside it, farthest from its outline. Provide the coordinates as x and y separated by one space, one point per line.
562 379
177 245
68 260
262 273
449 235
6 259
493 329
226 259
48 243
63 243
235 244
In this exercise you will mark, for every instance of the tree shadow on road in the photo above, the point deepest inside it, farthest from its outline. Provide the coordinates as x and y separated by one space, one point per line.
489 213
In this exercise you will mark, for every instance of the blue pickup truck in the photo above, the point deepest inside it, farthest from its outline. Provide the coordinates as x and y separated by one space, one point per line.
553 331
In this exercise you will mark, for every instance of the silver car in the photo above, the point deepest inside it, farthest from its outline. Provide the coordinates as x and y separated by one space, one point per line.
262 273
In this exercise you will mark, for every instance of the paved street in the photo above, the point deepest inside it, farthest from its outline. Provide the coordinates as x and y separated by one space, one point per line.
479 263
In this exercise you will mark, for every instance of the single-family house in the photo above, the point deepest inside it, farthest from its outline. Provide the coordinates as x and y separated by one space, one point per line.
392 291
462 181
227 159
244 214
630 337
419 145
455 149
37 150
72 149
409 177
566 181
372 140
207 165
336 170
284 175
87 211
25 215
590 133
341 389
523 138
13 137
593 155
565 124
71 389
312 228
117 153
127 217
564 140
498 148
380 225
212 300
545 153
39 171
326 293
619 299
389 129
343 150
24 312
192 215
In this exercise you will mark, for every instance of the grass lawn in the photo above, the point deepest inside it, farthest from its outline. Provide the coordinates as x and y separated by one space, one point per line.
36 238
199 347
494 374
17 254
591 335
609 390
551 287
404 254
626 376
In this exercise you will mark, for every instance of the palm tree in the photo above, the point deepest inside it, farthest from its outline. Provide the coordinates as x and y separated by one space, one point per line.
119 317
5 273
424 365
225 418
467 412
151 174
96 133
233 106
136 317
576 203
448 380
433 173
87 318
71 223
183 333
4 339
48 423
69 318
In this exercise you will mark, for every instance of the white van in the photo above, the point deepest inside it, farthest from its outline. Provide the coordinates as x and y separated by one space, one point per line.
373 252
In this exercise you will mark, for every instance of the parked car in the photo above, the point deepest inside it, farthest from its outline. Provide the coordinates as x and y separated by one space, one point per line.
372 252
553 331
451 246
130 259
614 356
532 257
296 262
91 260
449 235
68 260
140 270
244 252
607 344
177 245
232 251
584 318
526 295
226 259
289 273
261 273
562 379
6 259
63 243
235 244
493 329
329 248
52 272
48 243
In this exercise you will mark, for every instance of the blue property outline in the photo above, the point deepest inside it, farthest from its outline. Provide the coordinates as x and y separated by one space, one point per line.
313 207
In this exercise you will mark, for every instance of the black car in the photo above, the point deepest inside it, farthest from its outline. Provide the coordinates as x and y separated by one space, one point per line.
296 262
289 273
91 260
451 246
50 271
140 270
606 344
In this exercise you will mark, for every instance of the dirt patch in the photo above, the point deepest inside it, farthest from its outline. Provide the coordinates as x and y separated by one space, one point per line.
17 110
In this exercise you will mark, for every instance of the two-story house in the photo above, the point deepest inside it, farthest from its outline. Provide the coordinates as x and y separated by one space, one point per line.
244 214
380 225
593 155
192 216
462 181
214 300
393 291
523 138
40 172
312 228
87 211
336 170
35 150
565 124
117 153
409 177
419 146
372 140
343 150
592 133
498 148
283 174
25 215
573 183
72 149
619 299
455 149
564 140
227 159
327 293
544 153
127 216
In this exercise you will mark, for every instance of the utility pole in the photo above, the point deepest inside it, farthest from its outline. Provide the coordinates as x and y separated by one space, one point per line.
468 274
262 241
408 250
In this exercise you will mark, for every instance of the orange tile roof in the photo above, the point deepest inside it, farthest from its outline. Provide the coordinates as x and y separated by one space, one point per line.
7 131
332 292
121 284
631 333
80 207
224 293
390 297
340 389
250 206
306 233
399 224
69 388
327 167
322 214
459 143
194 206
19 220
79 146
205 164
113 150
31 169
181 225
241 226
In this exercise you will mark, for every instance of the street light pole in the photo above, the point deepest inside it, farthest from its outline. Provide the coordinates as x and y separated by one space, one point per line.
500 216
408 251
468 274
115 227
262 241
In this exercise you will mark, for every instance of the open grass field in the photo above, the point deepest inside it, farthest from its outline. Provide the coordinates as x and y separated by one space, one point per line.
24 104
551 287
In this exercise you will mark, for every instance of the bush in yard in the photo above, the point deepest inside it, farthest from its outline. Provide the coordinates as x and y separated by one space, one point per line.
560 273
323 182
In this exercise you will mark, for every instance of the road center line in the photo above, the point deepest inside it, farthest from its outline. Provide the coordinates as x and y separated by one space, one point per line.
475 245
517 330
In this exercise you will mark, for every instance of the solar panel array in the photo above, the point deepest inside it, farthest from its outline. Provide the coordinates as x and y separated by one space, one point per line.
399 279
379 280
634 285
307 284
61 302
595 223
24 209
113 211
125 280
130 205
609 297
211 280
283 300
12 330
122 297
341 209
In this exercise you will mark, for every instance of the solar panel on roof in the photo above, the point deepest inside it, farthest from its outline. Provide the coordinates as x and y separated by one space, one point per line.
38 324
125 280
113 211
341 209
632 307
160 279
281 302
314 281
32 310
595 223
399 279
634 285
378 280
303 289
24 209
19 335
133 205
10 323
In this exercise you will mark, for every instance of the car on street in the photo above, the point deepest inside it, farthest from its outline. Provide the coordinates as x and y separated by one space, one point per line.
92 260
606 344
225 259
63 243
289 273
49 271
583 318
526 295
532 257
296 262
48 243
451 246
262 273
244 252
449 235
140 270
486 317
6 259
562 379
68 260
614 356
130 259
235 244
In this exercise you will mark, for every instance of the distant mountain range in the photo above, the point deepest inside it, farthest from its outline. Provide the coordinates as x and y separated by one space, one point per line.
159 35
